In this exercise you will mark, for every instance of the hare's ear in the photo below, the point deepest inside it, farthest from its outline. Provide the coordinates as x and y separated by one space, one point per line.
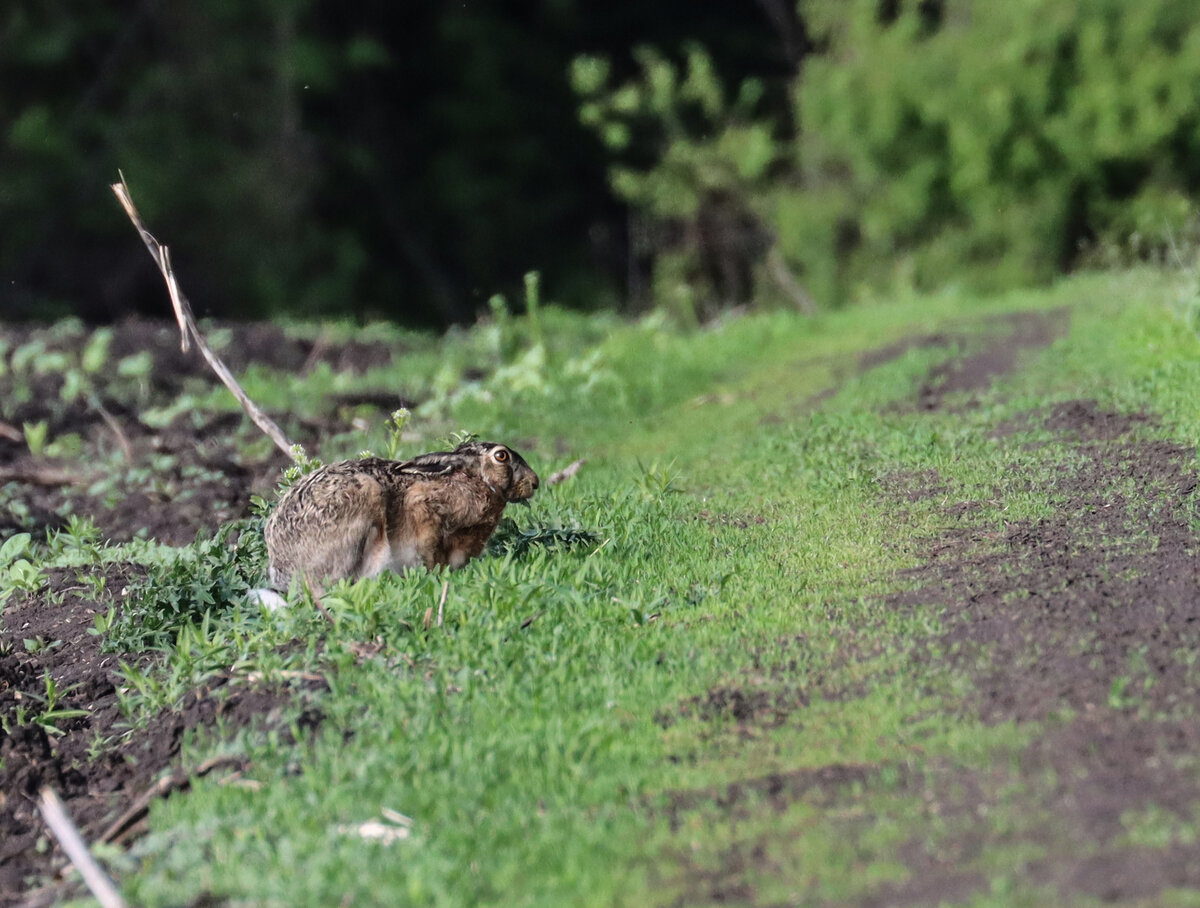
426 470
428 467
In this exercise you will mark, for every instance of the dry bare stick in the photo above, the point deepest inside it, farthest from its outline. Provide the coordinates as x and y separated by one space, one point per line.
565 473
442 602
787 281
38 476
187 323
599 547
115 428
286 674
12 433
120 827
72 843
395 816
316 600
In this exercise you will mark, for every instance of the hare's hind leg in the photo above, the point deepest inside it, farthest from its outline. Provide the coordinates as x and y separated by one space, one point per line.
345 539
376 552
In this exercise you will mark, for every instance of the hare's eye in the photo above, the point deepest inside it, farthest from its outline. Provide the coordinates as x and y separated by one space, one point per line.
501 456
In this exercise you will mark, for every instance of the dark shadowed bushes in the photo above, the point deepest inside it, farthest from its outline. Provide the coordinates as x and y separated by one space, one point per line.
407 162
402 161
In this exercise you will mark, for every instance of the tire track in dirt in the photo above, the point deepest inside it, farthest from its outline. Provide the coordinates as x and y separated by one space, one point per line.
1089 615
1086 622
978 352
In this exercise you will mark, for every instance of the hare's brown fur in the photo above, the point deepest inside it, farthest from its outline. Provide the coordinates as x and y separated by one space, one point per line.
357 518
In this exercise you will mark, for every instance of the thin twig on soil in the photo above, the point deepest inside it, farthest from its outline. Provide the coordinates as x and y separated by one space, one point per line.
188 330
117 431
120 828
286 674
38 476
76 849
316 600
565 473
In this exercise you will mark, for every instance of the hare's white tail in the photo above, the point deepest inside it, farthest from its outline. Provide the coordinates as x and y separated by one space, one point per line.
268 599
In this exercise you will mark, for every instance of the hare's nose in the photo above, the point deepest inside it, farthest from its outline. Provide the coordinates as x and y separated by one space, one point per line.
536 482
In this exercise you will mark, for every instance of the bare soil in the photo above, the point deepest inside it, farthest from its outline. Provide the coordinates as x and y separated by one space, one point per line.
128 477
96 762
1090 618
179 481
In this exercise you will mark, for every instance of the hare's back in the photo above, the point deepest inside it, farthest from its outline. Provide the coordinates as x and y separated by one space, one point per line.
327 497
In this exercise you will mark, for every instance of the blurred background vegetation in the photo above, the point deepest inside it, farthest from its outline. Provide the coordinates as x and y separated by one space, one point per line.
406 161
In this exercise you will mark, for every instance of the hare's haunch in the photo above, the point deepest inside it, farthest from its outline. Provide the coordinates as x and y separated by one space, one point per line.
357 518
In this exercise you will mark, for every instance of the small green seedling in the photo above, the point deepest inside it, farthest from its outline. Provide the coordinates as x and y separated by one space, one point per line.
35 436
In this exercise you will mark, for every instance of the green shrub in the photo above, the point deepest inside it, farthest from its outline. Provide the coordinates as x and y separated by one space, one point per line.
987 143
716 158
930 143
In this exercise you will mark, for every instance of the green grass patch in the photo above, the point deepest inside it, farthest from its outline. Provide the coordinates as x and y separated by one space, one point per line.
733 527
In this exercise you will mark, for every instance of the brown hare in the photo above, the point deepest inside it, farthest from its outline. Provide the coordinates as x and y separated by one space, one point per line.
358 518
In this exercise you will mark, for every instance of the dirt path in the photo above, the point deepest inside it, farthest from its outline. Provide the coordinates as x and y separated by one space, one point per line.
1083 625
1092 615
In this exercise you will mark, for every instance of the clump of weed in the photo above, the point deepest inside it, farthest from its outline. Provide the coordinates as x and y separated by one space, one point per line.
17 572
509 538
207 577
302 464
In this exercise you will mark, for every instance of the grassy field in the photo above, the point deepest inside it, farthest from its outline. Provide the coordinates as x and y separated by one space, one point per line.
714 666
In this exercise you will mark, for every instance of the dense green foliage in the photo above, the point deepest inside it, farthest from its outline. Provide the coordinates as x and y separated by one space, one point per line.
207 577
987 143
696 201
927 143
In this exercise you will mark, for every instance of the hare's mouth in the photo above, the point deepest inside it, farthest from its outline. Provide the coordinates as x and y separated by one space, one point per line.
522 495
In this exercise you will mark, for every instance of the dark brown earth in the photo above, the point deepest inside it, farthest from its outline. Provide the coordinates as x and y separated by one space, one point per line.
1084 624
134 479
989 354
1091 615
170 484
97 765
